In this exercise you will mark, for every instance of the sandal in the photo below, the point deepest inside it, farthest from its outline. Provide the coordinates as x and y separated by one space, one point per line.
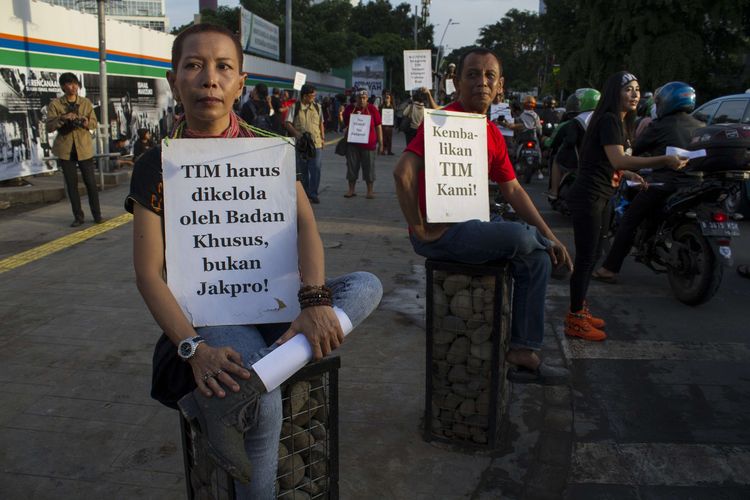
744 270
604 278
543 375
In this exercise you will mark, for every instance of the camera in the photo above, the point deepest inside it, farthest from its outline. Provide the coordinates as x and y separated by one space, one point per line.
69 125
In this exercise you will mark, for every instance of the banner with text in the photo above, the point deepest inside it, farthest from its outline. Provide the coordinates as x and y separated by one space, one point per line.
455 166
417 69
258 36
368 72
231 229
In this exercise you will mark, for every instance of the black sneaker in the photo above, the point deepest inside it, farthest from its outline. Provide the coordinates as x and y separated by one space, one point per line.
76 223
98 220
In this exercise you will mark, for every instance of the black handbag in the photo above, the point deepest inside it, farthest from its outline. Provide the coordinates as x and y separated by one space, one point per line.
341 147
171 377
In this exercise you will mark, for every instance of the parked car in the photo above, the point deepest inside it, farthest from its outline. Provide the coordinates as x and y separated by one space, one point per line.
729 109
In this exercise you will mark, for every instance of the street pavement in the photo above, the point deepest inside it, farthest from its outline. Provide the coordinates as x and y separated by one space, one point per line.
659 410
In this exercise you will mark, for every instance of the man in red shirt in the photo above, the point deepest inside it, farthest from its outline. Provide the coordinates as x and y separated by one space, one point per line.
530 247
363 155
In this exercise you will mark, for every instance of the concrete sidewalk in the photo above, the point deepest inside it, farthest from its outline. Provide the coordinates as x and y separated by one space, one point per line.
76 420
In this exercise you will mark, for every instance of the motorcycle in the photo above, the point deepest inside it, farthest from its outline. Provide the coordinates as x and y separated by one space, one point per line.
528 159
690 239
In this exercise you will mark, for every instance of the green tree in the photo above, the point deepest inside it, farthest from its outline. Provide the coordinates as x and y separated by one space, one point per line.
703 42
332 33
517 39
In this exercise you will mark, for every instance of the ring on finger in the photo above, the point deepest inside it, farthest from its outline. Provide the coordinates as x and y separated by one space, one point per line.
207 376
218 372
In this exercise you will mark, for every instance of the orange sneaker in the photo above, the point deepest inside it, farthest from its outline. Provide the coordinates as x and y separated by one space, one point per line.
578 325
597 323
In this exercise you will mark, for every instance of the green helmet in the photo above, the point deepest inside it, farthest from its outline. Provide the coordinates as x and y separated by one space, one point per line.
587 98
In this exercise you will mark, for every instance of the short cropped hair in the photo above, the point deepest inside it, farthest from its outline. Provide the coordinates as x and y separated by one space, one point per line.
68 78
203 28
479 51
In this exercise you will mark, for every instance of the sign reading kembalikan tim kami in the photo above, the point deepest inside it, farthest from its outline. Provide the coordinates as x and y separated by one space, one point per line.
230 217
455 166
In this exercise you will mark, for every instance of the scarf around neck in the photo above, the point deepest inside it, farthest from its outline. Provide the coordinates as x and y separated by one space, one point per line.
237 128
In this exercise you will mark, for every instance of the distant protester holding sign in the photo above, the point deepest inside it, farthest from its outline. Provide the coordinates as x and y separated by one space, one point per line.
212 377
531 248
364 133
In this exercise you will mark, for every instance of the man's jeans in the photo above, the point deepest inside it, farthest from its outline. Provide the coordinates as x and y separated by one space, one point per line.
476 242
358 294
309 171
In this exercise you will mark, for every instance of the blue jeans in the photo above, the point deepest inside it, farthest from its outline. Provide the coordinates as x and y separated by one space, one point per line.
476 242
358 294
309 171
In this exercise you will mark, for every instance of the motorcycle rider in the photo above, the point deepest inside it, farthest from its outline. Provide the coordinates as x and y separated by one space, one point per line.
672 127
567 138
549 116
528 127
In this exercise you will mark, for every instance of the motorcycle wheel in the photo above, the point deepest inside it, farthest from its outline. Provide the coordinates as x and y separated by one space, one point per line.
699 274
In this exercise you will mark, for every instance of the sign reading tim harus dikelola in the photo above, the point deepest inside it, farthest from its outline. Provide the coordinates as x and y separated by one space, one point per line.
455 166
230 218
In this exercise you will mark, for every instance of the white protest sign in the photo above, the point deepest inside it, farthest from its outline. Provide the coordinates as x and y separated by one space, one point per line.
299 80
230 220
387 117
359 129
417 69
455 166
450 87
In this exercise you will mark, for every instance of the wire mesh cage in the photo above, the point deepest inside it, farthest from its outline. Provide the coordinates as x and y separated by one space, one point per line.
308 447
468 330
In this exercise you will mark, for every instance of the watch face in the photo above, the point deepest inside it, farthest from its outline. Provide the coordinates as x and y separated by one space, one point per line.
186 349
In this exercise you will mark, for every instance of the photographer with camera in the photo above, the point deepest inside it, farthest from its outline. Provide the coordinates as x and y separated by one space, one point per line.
72 116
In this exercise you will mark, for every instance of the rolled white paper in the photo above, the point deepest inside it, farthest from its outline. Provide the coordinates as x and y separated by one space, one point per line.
289 357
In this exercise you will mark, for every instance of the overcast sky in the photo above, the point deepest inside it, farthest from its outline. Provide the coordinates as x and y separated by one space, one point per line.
470 14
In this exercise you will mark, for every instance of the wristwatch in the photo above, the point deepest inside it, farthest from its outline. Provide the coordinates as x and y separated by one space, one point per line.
186 349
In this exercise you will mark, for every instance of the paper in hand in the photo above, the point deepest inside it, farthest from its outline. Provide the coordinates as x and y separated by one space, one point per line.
684 153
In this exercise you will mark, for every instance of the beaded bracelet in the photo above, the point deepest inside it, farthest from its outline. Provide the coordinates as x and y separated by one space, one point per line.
314 295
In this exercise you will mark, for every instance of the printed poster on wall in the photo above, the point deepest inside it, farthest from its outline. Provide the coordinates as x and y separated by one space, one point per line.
231 229
455 166
387 117
359 129
135 103
417 69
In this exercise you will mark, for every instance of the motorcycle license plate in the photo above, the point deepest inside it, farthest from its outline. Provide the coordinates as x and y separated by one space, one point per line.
720 228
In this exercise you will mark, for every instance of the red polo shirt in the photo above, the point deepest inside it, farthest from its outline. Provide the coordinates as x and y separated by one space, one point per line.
500 169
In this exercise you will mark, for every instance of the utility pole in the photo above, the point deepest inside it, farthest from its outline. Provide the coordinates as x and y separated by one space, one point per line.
288 32
416 15
103 92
